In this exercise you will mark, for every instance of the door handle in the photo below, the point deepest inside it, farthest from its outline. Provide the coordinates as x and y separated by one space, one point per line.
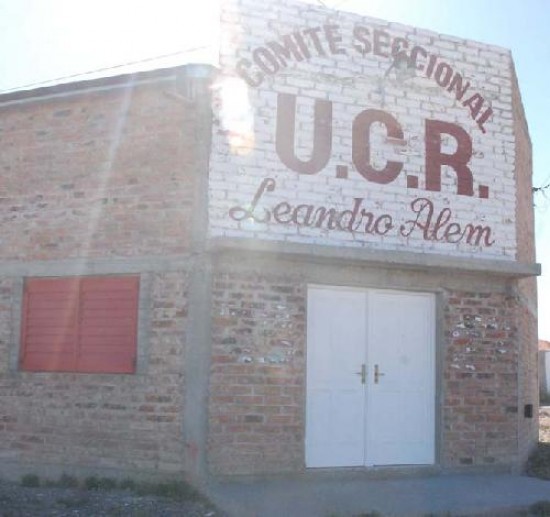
377 374
363 373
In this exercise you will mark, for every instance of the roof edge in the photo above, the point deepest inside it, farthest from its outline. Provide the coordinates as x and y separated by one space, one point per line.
197 70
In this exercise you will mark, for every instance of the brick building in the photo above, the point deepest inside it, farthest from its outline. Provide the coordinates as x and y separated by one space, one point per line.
319 255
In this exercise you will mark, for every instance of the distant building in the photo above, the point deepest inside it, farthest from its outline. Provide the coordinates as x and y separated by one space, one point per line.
321 255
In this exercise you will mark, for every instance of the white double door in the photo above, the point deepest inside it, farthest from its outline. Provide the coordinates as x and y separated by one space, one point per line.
370 377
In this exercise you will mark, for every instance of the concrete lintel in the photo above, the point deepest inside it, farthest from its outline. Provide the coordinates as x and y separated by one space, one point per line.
94 266
379 258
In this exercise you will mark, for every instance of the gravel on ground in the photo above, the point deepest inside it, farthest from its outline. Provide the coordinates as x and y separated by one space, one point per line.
19 501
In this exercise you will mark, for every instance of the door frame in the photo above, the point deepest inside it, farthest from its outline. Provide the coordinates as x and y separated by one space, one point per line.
439 358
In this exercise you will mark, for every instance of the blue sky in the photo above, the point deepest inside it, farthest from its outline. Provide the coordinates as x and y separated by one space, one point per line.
49 39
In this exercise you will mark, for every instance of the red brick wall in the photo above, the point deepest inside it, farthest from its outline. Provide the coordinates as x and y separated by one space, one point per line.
526 289
480 403
97 173
257 388
528 374
104 174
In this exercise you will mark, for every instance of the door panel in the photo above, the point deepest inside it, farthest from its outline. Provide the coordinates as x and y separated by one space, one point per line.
377 423
400 422
335 394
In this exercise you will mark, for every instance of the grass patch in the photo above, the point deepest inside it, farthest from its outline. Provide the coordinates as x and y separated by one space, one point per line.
136 512
127 484
95 483
538 464
540 509
178 490
64 481
73 502
30 481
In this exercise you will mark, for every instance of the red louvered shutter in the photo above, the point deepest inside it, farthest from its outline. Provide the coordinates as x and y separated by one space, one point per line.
108 324
50 324
80 324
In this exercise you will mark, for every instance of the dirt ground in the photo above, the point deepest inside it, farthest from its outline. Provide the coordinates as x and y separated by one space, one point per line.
18 501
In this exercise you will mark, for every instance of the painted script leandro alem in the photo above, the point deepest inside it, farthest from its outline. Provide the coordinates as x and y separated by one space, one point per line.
431 223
